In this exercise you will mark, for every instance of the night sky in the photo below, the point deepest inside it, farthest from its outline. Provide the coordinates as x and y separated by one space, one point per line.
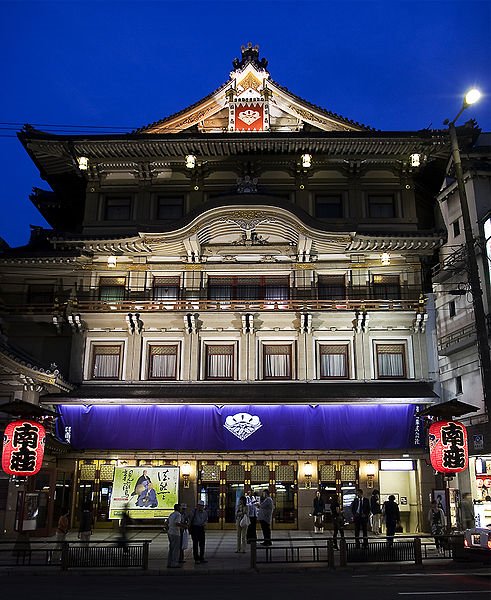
393 65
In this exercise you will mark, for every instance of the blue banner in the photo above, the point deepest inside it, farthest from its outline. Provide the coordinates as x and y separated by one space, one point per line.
240 428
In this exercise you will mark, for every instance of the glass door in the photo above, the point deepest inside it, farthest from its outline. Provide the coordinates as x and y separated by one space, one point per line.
285 477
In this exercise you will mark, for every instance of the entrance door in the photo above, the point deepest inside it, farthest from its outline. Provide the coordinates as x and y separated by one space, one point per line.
339 478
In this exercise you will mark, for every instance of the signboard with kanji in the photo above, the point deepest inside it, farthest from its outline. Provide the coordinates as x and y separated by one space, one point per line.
23 448
144 492
448 447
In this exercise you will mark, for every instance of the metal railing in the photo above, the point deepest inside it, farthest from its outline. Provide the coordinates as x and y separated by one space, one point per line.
298 550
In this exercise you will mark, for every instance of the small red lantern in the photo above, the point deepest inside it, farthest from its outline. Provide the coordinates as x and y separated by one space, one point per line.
23 448
448 447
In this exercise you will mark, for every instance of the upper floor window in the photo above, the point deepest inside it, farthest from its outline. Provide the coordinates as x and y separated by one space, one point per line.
249 288
106 362
452 309
456 228
329 206
386 287
162 362
277 361
166 288
391 361
117 208
219 361
332 287
40 293
381 206
112 289
458 385
170 208
333 361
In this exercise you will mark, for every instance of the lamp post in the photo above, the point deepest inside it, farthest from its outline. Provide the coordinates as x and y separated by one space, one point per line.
473 271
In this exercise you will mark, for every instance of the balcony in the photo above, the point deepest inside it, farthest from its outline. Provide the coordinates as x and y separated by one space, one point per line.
457 340
452 264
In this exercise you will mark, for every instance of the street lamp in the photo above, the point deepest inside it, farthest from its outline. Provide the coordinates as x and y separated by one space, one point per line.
470 98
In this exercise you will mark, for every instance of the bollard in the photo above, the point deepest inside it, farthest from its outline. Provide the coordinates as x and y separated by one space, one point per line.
418 556
342 553
253 553
330 554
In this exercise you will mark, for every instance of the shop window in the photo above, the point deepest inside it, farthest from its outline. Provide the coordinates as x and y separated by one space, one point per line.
277 361
112 289
162 362
106 362
332 287
329 206
219 362
170 208
249 288
381 206
166 288
117 208
386 287
333 361
391 361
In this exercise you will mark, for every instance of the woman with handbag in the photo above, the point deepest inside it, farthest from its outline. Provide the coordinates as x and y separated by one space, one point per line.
242 522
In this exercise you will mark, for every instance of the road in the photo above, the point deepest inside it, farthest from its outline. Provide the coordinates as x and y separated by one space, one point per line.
468 584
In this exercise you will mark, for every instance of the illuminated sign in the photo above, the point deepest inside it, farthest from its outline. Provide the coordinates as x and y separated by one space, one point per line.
23 448
448 447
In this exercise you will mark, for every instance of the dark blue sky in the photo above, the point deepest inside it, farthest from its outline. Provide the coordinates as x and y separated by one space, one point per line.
392 64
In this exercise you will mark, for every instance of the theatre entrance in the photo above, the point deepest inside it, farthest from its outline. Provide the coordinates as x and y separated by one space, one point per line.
222 483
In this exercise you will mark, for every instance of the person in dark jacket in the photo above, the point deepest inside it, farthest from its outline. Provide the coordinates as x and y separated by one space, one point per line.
318 513
360 507
392 518
337 520
376 511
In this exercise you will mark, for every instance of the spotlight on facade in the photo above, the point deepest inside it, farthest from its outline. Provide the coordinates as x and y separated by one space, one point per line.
306 161
308 471
112 261
415 160
385 258
83 163
185 472
472 97
190 161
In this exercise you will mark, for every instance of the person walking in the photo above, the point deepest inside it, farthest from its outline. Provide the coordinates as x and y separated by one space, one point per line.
197 524
468 516
337 520
265 516
86 522
318 512
360 507
174 535
436 521
252 508
242 522
184 533
392 518
124 522
376 511
61 532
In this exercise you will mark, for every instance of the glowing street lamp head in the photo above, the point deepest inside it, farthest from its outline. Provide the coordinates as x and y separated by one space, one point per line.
472 96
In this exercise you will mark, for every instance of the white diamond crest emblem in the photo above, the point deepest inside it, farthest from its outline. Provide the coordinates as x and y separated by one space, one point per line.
249 116
242 425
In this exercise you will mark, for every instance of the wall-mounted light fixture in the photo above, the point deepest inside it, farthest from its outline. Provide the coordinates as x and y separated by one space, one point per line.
185 472
385 258
306 161
112 261
308 471
370 471
415 160
83 163
190 161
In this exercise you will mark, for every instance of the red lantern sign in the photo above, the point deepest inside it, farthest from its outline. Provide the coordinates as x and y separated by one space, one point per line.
23 448
448 447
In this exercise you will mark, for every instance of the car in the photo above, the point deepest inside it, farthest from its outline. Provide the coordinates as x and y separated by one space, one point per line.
478 540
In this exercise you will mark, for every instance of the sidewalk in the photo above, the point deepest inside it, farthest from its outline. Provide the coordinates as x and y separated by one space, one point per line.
221 556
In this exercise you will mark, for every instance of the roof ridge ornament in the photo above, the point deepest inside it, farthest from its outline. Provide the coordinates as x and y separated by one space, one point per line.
250 55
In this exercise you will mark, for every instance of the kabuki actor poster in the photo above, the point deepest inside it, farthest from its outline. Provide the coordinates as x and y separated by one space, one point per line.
145 492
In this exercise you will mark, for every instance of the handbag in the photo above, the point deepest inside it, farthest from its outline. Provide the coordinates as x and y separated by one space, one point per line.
245 521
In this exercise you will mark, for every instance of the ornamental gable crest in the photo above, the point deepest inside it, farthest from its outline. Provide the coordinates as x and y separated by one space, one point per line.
242 425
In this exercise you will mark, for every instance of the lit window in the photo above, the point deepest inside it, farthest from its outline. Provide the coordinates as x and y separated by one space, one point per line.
219 362
106 362
162 362
166 288
277 362
391 362
333 361
112 289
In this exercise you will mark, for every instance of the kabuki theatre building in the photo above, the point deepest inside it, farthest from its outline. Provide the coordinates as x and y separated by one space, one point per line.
230 298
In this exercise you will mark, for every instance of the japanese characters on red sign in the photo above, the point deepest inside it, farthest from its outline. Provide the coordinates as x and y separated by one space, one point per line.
249 117
448 447
23 448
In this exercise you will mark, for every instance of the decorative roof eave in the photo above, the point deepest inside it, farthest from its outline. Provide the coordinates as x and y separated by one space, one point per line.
56 155
423 244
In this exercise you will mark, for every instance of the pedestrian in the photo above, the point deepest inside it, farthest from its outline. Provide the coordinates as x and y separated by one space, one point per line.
252 507
86 523
174 536
436 521
197 524
61 532
360 507
184 533
392 518
123 528
265 516
318 512
467 506
337 520
376 511
242 522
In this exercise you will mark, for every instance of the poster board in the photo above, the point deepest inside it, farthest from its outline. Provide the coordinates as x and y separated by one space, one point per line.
145 492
